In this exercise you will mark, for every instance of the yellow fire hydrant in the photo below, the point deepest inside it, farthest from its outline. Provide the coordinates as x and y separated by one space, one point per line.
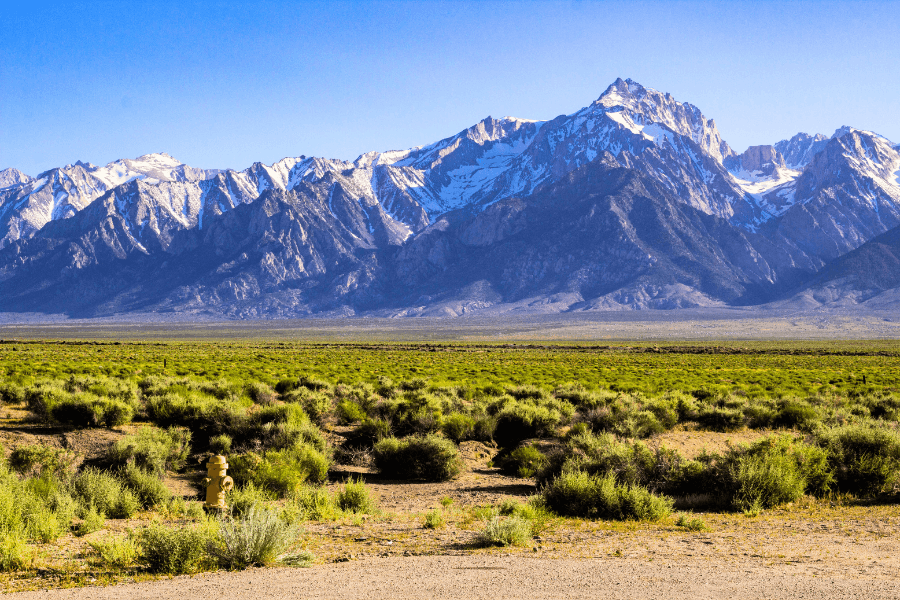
217 483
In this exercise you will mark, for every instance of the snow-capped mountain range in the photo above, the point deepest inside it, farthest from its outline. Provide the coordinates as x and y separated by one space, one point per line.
793 206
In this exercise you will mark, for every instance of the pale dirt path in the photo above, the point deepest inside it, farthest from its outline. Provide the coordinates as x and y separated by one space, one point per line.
497 578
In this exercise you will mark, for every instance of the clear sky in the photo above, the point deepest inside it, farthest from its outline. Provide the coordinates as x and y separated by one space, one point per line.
226 84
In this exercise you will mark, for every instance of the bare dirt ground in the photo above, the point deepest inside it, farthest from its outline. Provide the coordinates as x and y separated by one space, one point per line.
501 578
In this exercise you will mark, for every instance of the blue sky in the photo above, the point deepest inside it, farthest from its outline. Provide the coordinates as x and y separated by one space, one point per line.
225 84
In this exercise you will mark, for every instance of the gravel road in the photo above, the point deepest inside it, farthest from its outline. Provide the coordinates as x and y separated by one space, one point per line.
496 578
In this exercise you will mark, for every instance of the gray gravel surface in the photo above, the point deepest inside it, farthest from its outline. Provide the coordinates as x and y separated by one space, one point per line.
496 578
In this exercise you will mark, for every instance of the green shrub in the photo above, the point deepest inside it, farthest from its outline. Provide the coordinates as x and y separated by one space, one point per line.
117 552
114 413
92 521
42 524
317 405
127 504
103 387
39 398
14 554
430 457
634 416
797 414
354 497
434 520
73 406
458 427
578 395
765 480
721 418
518 421
285 386
77 410
348 412
147 487
370 432
316 385
865 460
662 471
220 444
175 551
241 498
528 392
280 471
254 539
631 463
46 493
11 492
771 472
300 558
152 449
37 460
11 393
310 434
310 503
523 462
534 511
484 428
414 384
261 393
691 523
579 494
883 406
190 409
506 531
105 493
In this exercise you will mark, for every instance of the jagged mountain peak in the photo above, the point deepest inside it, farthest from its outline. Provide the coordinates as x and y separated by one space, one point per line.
800 149
865 153
627 92
486 131
490 129
648 106
160 158
847 130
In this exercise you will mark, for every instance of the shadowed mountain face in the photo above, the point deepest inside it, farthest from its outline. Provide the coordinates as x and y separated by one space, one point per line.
603 236
633 202
868 276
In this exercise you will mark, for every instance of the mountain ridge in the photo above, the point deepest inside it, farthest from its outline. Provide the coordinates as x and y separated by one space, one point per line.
426 229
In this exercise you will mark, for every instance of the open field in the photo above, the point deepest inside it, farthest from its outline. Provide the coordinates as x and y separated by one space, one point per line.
752 457
757 368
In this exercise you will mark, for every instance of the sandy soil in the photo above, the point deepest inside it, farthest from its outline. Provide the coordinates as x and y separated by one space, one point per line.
502 577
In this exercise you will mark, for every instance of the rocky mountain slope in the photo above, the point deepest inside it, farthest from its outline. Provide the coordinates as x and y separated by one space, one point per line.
634 201
867 276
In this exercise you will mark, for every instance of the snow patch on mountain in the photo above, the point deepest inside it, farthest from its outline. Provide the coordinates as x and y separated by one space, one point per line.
756 183
647 106
9 177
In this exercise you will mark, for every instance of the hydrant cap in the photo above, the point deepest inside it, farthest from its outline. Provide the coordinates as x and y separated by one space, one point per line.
216 460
